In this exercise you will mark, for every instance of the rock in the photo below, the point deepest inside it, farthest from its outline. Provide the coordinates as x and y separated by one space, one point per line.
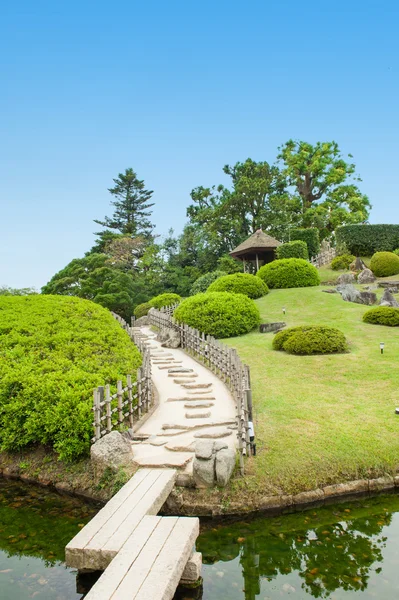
308 497
213 435
169 338
350 294
192 570
199 405
142 322
330 291
381 483
204 449
218 445
270 327
180 370
198 415
111 451
366 276
346 278
357 265
343 489
225 463
204 471
388 299
368 298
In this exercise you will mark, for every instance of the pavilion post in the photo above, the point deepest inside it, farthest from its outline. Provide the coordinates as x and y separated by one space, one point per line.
257 263
244 264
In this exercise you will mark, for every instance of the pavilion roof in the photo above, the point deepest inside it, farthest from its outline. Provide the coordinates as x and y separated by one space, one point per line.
258 241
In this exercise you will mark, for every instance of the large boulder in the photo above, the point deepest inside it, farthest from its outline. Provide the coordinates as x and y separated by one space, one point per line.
366 276
224 464
388 299
169 338
357 265
112 451
350 294
142 321
213 464
346 278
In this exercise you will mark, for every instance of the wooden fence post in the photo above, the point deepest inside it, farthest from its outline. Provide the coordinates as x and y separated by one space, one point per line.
130 400
97 414
108 408
120 400
139 393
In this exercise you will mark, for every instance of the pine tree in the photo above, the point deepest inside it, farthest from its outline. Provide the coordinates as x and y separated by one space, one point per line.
131 207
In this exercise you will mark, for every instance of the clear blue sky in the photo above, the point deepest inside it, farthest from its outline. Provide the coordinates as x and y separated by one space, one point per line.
176 90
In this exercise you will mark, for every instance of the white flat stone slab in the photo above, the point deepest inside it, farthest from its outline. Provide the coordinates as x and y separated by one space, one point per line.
167 461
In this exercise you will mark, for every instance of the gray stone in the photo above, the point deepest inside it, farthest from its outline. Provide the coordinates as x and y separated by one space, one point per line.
330 291
192 570
367 298
388 299
270 327
173 340
366 276
111 451
350 294
213 435
142 322
218 445
342 489
225 463
204 449
358 265
204 471
381 483
308 497
346 278
198 415
180 370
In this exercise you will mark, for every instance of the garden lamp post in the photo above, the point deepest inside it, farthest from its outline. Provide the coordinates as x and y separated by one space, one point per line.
283 310
382 347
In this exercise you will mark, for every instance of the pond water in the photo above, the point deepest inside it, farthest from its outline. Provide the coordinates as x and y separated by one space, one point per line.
341 552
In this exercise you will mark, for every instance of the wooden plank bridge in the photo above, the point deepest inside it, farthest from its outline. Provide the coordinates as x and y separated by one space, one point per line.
142 555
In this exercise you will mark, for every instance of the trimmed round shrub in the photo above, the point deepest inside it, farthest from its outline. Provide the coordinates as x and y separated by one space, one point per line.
219 314
294 249
310 340
382 315
396 251
384 264
203 282
343 262
240 283
141 310
167 299
289 273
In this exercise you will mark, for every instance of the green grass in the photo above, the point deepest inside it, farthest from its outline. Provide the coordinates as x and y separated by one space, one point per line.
321 419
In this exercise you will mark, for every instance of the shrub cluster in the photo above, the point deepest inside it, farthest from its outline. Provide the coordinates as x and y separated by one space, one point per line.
219 314
55 350
382 315
342 262
295 249
310 340
167 299
202 283
364 240
310 235
384 264
240 283
141 310
289 273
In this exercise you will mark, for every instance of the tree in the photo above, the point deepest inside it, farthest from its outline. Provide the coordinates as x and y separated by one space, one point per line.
132 204
324 186
8 291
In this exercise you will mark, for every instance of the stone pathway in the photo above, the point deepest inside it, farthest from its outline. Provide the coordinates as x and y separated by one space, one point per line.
193 404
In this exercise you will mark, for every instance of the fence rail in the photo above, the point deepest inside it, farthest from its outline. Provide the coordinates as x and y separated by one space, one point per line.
324 257
130 402
221 360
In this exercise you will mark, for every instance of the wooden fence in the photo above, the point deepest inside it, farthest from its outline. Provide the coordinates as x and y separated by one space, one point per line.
221 360
130 402
324 257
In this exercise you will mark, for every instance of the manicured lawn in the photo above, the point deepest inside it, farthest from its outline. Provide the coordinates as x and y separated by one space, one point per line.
321 419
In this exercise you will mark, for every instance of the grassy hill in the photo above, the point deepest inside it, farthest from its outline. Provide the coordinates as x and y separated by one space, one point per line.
321 419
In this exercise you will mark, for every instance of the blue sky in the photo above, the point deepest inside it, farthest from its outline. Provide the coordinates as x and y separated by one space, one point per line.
176 90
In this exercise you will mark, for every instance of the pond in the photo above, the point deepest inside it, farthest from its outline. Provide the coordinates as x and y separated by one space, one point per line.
341 552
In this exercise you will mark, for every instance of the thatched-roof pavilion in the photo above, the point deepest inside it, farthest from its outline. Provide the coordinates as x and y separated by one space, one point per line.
258 249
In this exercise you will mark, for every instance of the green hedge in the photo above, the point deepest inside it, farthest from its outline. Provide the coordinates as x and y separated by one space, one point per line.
295 249
167 299
309 235
382 315
240 283
219 314
310 339
201 284
289 273
141 310
384 264
365 240
342 262
54 351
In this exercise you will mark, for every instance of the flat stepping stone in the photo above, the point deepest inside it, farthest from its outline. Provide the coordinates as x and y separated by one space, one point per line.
194 386
180 447
198 415
197 426
195 392
180 370
166 461
157 442
185 399
181 381
173 374
213 435
173 362
199 405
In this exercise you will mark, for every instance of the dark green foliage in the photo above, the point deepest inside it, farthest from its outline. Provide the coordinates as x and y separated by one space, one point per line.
164 300
240 283
219 314
384 264
396 251
202 283
382 315
54 351
365 240
342 262
310 340
289 273
229 265
310 236
141 310
294 249
8 291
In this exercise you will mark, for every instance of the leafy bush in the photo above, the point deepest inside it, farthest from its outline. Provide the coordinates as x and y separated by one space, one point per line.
309 235
310 340
289 273
54 351
342 262
384 264
203 282
365 240
295 249
382 315
240 283
396 251
141 310
219 314
229 265
167 299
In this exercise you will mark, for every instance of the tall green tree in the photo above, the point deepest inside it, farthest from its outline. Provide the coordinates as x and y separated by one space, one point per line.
132 207
323 186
